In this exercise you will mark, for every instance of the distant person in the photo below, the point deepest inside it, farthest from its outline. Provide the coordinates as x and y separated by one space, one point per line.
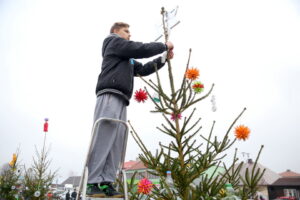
74 195
68 197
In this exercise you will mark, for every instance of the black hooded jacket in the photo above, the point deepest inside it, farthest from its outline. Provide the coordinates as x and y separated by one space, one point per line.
119 68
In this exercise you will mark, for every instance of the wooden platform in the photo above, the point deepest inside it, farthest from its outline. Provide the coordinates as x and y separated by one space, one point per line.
94 198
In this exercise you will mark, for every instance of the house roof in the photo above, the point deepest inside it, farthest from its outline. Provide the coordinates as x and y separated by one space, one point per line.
287 181
289 173
134 165
129 164
213 171
269 176
74 180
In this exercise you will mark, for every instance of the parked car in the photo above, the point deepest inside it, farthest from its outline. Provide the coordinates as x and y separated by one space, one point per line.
285 198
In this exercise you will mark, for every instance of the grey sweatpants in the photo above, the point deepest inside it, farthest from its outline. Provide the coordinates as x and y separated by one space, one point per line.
107 146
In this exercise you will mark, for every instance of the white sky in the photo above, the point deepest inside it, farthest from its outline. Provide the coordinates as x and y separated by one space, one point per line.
50 58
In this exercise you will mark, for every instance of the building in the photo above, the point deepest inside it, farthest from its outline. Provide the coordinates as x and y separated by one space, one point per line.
141 171
289 173
138 168
71 182
288 185
267 179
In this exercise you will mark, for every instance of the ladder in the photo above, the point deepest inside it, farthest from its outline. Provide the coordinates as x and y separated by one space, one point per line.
85 173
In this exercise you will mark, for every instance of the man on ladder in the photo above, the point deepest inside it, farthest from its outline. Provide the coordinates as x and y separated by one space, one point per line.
114 90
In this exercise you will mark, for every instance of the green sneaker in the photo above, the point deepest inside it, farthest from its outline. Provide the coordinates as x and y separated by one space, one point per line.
93 190
110 191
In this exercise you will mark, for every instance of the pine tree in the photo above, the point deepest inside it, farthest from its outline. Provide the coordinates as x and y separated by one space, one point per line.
38 178
9 179
184 156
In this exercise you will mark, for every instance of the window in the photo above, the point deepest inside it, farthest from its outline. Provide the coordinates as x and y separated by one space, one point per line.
291 193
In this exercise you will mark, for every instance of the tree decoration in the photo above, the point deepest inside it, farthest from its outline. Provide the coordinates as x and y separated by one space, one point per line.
145 186
37 193
213 103
12 163
156 97
46 125
198 87
192 74
175 116
242 132
140 95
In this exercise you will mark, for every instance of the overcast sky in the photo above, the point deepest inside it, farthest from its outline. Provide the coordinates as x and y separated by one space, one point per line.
50 58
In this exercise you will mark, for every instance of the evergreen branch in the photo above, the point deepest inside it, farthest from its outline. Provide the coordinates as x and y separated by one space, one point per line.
189 148
161 92
169 130
188 120
229 129
232 173
250 181
197 100
188 138
220 158
160 89
157 111
184 78
153 86
168 147
192 127
196 149
210 134
197 130
189 89
183 98
175 148
164 131
169 122
137 139
159 108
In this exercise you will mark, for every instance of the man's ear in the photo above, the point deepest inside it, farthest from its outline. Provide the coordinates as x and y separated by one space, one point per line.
115 31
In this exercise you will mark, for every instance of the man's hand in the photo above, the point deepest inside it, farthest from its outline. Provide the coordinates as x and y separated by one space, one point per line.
170 46
170 54
170 50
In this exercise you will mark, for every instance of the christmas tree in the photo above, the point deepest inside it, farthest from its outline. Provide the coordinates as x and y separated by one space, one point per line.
9 179
184 160
38 178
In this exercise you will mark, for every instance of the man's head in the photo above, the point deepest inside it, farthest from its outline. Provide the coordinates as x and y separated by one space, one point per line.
122 29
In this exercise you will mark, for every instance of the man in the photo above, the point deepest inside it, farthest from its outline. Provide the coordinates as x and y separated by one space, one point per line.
74 195
68 197
114 90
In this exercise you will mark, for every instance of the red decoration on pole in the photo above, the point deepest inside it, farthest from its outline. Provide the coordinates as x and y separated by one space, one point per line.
46 125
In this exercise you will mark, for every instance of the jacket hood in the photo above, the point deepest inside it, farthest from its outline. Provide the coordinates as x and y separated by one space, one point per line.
107 40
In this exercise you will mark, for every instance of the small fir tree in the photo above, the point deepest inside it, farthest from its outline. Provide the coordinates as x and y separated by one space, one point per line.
9 179
38 178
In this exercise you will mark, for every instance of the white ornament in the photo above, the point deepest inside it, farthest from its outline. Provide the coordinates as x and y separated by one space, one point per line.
213 102
37 193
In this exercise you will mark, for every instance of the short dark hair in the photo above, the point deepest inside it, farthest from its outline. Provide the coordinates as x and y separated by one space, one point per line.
118 25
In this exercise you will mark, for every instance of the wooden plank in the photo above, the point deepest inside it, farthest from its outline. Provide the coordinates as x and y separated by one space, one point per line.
94 198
